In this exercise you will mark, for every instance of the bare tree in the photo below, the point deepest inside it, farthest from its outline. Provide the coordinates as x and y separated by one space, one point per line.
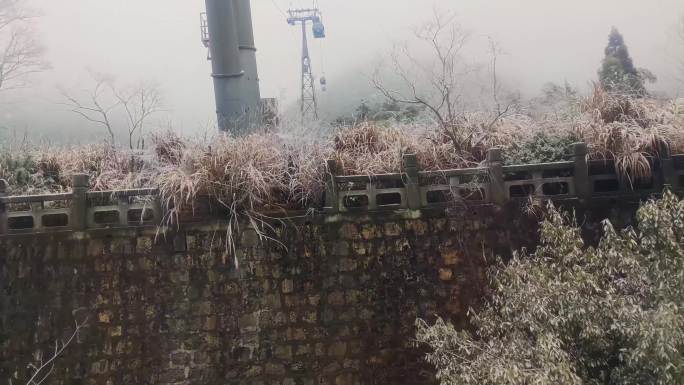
500 110
433 85
139 103
20 53
97 107
45 365
108 105
438 83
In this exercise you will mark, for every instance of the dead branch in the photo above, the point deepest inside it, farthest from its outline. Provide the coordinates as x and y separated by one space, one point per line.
436 84
12 11
95 109
20 53
139 104
43 368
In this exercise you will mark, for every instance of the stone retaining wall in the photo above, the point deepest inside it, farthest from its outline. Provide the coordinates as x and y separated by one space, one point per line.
328 303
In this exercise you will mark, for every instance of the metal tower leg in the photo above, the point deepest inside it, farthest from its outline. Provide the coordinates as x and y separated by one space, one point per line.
309 106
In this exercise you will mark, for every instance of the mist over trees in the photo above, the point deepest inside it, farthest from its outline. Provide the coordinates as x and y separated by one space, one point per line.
21 54
117 109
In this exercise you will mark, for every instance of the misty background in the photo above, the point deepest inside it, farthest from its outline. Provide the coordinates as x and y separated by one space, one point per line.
159 41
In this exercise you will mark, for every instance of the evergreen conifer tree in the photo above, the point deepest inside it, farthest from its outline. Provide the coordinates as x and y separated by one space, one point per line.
618 73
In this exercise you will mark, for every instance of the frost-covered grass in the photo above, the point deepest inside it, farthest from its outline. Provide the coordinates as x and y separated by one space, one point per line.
286 170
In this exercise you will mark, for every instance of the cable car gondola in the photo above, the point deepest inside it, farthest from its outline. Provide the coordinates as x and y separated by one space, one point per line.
318 28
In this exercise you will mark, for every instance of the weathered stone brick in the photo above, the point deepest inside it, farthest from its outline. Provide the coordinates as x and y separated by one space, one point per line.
344 379
349 231
310 317
275 369
253 371
348 281
347 315
144 244
340 248
331 368
303 350
360 248
348 264
180 358
336 298
320 349
392 229
283 352
370 231
249 238
105 316
338 349
451 257
296 334
288 286
446 274
115 331
418 227
314 300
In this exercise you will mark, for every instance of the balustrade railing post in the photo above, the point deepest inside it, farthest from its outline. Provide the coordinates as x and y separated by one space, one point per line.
497 186
412 183
332 202
3 207
79 203
582 182
670 179
157 209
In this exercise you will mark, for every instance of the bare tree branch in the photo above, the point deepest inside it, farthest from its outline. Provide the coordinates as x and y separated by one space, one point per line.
12 11
434 85
439 83
43 368
20 53
139 104
109 106
94 109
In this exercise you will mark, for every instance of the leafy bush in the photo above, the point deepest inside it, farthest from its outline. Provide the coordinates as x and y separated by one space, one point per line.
17 168
571 314
541 148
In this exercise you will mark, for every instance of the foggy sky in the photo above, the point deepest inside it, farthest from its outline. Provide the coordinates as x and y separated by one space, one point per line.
545 40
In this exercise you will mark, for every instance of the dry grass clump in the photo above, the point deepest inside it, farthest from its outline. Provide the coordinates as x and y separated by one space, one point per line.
249 174
36 169
369 148
611 108
109 168
243 177
265 172
630 131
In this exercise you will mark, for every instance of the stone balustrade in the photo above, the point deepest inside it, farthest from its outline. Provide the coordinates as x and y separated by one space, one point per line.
412 189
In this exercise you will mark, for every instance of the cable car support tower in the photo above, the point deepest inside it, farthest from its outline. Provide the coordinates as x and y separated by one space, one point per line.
309 106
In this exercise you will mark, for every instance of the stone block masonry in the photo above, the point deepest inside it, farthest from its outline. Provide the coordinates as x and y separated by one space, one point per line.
334 304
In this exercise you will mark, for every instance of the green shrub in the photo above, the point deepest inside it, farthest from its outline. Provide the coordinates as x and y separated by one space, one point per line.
17 170
540 148
576 315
